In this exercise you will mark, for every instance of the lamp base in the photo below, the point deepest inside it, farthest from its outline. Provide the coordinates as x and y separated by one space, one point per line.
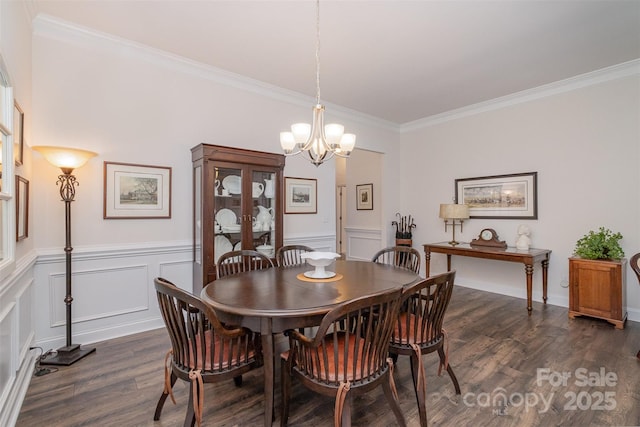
453 243
68 355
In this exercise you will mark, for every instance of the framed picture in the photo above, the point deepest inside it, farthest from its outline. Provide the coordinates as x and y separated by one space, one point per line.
364 197
500 196
22 208
18 133
136 191
301 196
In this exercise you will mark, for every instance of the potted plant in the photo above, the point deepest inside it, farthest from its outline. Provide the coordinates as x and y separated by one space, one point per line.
601 244
597 279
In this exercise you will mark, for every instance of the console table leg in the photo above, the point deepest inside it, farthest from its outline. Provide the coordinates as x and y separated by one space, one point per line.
528 268
448 262
545 271
427 266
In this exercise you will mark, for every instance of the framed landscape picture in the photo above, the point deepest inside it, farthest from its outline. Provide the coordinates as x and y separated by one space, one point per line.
511 196
301 196
136 191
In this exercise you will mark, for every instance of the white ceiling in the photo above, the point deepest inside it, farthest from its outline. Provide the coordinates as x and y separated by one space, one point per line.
396 60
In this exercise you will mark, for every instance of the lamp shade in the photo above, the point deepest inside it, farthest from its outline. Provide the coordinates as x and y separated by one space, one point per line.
66 159
454 211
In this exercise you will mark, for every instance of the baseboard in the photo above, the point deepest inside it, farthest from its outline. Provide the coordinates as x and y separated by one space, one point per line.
105 334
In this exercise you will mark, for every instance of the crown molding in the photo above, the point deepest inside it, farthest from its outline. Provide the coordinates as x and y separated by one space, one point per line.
54 28
64 31
614 72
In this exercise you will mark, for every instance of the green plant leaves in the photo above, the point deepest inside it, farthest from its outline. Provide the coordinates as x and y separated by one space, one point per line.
601 244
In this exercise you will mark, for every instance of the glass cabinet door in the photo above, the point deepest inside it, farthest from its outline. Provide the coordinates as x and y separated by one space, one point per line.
237 202
228 213
264 211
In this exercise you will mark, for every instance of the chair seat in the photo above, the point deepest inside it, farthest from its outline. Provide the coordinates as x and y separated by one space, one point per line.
354 372
222 354
409 330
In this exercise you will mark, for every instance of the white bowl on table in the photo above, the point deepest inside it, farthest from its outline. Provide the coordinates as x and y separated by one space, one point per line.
319 260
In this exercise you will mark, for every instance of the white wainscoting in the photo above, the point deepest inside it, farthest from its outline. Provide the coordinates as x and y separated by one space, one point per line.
325 243
16 337
112 288
113 296
363 243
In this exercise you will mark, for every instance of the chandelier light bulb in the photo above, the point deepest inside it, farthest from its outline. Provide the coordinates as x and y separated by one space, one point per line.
333 133
347 143
287 142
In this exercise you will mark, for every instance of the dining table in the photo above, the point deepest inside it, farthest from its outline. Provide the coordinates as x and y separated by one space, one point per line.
277 299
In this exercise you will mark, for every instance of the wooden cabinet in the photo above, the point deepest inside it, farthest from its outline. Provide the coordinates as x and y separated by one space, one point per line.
597 288
238 204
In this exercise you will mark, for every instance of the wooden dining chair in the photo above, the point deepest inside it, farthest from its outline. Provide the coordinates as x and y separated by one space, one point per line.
399 256
418 330
235 262
348 355
202 349
635 266
289 255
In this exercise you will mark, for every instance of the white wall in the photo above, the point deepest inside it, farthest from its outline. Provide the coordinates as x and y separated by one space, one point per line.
131 104
17 290
365 228
136 105
585 145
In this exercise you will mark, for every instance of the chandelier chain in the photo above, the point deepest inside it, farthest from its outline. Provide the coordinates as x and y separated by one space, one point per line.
317 51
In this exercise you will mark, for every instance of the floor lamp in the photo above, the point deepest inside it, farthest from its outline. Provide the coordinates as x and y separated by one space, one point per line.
67 159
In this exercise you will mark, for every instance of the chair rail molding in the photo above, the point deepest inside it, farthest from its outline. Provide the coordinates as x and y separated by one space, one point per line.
55 255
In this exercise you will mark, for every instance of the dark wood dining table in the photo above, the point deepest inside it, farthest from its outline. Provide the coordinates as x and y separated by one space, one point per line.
274 300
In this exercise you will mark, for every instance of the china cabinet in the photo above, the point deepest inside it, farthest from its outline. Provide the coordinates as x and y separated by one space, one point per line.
237 196
597 288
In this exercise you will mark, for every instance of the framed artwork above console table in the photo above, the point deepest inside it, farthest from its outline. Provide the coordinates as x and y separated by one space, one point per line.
513 196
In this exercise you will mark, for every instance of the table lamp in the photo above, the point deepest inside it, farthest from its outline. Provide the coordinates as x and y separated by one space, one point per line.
454 212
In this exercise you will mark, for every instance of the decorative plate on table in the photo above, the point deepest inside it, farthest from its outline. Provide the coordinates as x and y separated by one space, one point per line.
222 246
226 217
233 183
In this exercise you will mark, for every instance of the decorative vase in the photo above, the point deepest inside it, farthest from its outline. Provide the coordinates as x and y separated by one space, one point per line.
269 188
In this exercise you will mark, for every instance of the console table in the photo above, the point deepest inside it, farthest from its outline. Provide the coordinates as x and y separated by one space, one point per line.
511 254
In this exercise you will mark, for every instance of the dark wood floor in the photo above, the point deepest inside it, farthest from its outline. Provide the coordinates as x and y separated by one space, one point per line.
496 350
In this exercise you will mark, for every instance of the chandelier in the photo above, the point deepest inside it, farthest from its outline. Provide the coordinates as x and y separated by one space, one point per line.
317 141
